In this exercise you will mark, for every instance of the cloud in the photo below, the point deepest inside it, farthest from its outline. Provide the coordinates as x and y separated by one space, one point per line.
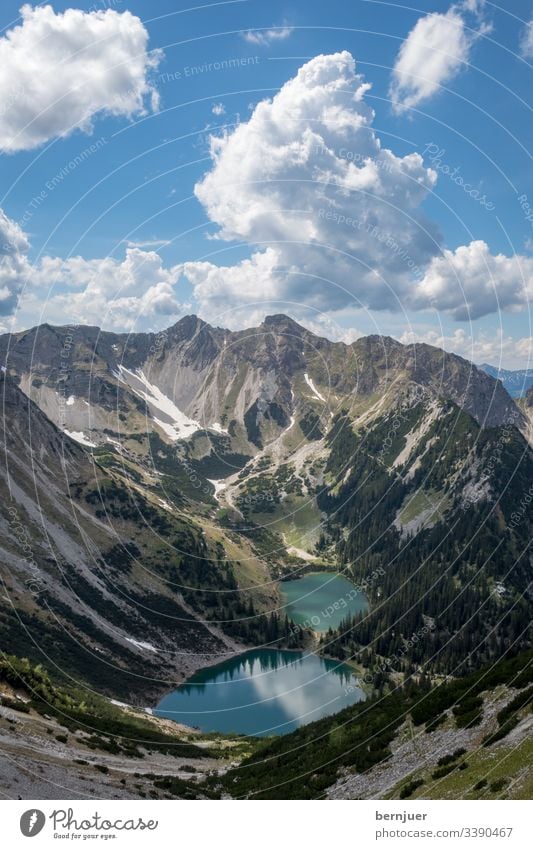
149 243
434 52
14 264
57 71
474 6
324 325
218 109
223 288
265 37
526 41
333 220
112 293
332 217
470 282
307 179
87 289
495 348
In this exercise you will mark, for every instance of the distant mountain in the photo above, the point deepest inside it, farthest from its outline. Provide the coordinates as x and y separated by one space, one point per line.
204 464
516 382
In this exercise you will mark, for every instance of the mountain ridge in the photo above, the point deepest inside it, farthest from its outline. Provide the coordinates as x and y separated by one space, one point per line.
180 359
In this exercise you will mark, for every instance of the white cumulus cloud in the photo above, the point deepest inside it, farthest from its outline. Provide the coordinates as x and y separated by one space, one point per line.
333 217
14 265
306 178
471 282
57 71
435 51
118 294
495 348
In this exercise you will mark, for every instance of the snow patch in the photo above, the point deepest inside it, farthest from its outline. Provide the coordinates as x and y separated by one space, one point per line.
140 645
292 419
313 388
174 433
79 436
301 553
218 428
180 425
219 486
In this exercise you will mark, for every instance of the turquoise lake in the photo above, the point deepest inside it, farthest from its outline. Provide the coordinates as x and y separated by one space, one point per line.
321 600
262 692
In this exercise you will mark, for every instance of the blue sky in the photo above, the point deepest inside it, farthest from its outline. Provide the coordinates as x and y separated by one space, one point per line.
126 181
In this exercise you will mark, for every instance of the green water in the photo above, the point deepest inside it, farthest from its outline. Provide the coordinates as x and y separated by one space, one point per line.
261 692
321 600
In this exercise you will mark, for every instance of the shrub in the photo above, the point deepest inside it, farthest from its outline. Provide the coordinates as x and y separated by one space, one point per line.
410 788
434 724
442 771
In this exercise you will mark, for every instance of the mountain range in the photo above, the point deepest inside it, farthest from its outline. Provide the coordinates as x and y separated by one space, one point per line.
516 382
163 483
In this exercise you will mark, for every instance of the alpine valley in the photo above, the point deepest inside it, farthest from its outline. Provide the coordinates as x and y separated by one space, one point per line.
157 490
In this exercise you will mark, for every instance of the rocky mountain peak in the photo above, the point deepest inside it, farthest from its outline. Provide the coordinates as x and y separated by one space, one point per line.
281 323
187 327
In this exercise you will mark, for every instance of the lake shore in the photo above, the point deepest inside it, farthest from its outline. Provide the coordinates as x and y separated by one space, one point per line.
326 593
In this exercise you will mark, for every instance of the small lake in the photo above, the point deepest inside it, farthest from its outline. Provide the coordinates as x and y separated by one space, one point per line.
262 692
321 600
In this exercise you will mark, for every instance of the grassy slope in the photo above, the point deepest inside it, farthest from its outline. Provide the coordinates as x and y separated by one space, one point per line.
510 765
